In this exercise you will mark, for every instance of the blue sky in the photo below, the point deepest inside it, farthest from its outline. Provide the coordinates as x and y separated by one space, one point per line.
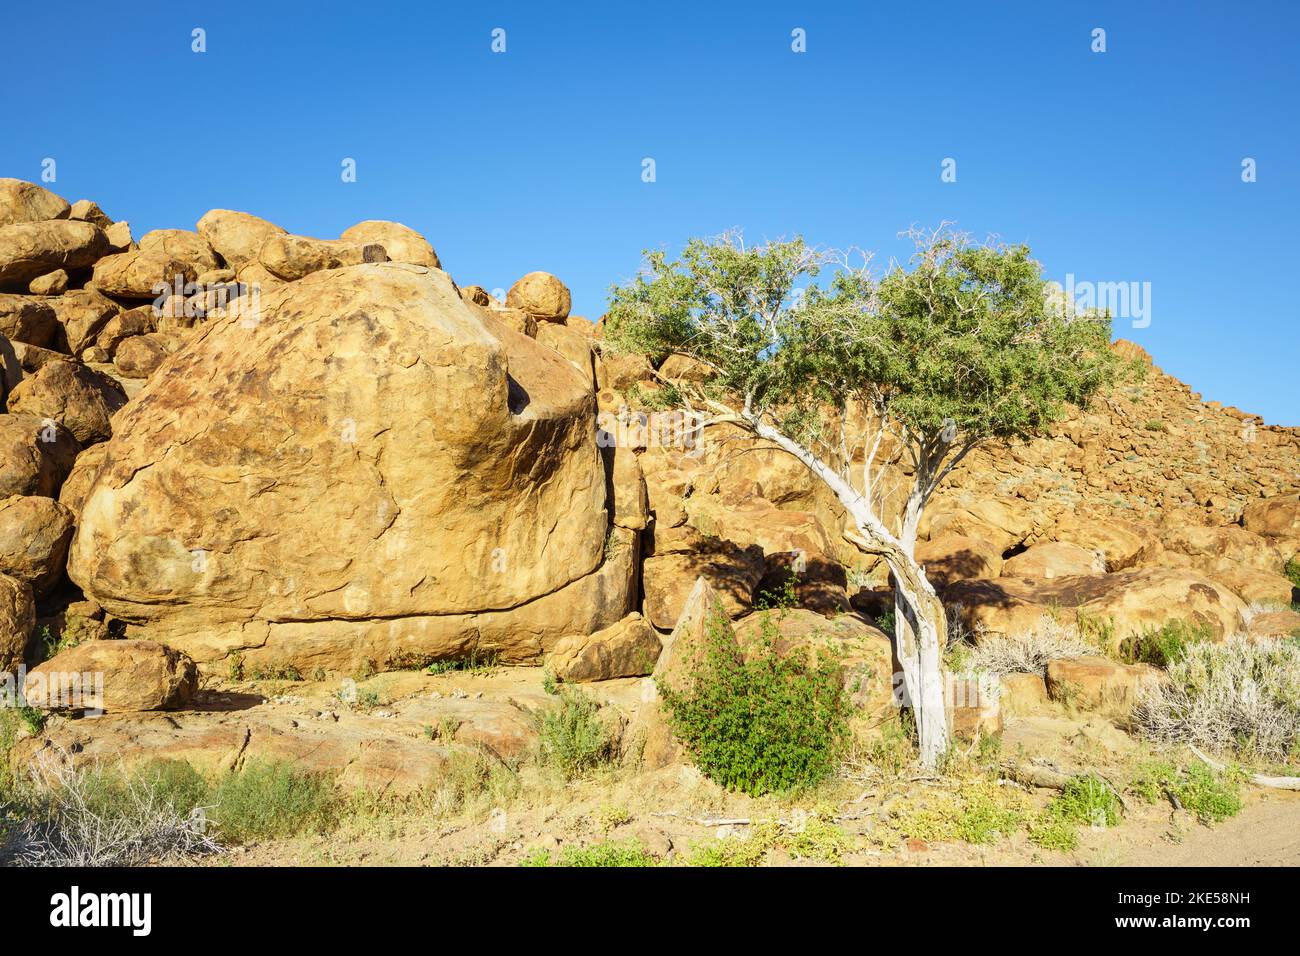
1123 166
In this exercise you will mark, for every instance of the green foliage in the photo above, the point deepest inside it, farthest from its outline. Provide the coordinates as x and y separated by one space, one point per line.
574 736
1293 572
269 800
981 812
549 684
886 622
964 343
1155 425
816 839
1162 646
1086 800
609 854
475 662
760 723
235 663
1210 795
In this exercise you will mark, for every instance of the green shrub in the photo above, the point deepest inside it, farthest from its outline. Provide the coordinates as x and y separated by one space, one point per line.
609 854
1086 800
1162 646
574 737
760 723
1211 796
1293 571
268 800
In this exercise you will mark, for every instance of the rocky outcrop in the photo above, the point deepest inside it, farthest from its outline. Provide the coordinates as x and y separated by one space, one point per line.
542 295
80 399
31 249
401 243
629 648
113 676
34 536
17 619
389 473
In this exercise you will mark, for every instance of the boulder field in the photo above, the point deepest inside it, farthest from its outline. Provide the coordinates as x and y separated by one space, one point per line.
236 447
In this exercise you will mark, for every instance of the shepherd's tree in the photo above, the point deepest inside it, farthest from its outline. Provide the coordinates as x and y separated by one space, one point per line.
960 347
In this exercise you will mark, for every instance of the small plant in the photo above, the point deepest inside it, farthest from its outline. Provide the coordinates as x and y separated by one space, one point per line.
610 816
1086 800
1155 425
1293 571
235 666
549 683
269 800
1211 796
760 723
574 737
1161 647
885 622
1028 652
610 854
473 663
980 813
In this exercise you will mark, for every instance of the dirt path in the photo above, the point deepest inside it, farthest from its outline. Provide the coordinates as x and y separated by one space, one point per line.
1266 833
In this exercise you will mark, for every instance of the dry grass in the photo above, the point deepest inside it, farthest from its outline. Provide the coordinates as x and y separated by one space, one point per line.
1029 652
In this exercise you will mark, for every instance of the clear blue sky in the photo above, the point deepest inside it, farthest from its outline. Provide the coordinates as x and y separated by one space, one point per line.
1122 166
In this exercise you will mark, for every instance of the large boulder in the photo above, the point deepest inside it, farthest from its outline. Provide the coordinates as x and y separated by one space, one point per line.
140 355
1214 550
31 249
1054 559
34 536
27 319
181 244
1276 517
542 295
82 315
35 455
402 243
628 648
141 274
80 399
236 236
1098 683
289 257
375 470
670 573
22 201
952 557
702 628
113 676
17 619
1120 546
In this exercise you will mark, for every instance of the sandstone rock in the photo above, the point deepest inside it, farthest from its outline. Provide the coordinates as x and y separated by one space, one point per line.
1261 587
631 506
1023 694
136 676
35 455
1120 547
52 283
26 202
703 622
291 257
80 399
1276 517
183 245
629 648
1274 625
89 211
124 325
401 243
141 274
34 536
73 493
82 315
31 249
542 295
236 236
573 345
140 355
1098 683
119 237
683 368
621 372
1056 559
25 319
1214 550
478 296
668 578
389 471
17 619
953 557
1001 522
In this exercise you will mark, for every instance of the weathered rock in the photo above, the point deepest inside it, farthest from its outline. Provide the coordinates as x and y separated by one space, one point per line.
52 283
1054 559
1261 587
1214 550
683 368
119 237
1275 517
35 455
389 472
25 319
89 211
702 624
573 345
236 236
82 315
401 243
1120 547
951 557
125 325
80 399
542 295
668 578
629 648
34 536
17 619
1098 683
478 295
115 677
183 245
1273 625
140 355
22 201
631 506
32 249
1023 694
73 493
141 274
291 257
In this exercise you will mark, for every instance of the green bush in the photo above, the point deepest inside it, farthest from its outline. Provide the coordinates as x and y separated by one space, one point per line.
268 800
609 854
1165 645
574 737
1209 795
1293 572
760 723
1086 800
